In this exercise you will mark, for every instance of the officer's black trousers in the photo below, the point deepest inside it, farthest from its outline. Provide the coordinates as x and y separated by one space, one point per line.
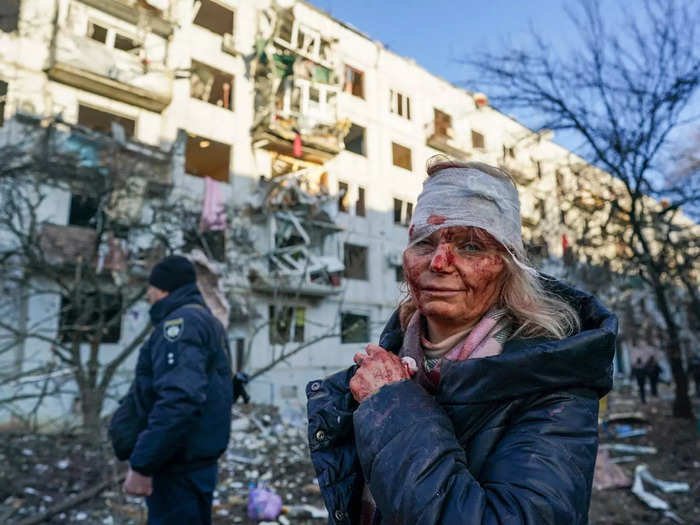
183 498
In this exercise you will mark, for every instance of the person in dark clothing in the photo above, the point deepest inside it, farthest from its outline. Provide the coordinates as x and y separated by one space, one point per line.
694 369
639 372
653 371
480 403
175 421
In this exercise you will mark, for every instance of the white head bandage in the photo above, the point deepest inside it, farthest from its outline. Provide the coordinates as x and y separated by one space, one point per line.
469 197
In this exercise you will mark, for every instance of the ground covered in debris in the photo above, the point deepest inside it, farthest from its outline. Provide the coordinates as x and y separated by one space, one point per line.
39 472
677 459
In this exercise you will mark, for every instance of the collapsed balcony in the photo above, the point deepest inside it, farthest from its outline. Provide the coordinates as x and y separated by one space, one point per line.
302 236
296 88
442 137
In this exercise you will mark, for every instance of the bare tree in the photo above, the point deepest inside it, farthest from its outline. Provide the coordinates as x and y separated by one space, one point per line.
89 273
622 93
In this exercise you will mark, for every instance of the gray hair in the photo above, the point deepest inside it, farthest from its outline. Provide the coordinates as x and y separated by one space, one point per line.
534 311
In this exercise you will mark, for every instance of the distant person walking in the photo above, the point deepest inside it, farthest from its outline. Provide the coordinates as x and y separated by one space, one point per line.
639 372
653 372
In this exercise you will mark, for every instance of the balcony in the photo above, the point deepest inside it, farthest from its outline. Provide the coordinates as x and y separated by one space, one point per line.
445 140
295 270
88 64
304 123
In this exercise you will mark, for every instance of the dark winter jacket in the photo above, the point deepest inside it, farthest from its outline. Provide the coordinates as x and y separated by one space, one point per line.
505 439
177 414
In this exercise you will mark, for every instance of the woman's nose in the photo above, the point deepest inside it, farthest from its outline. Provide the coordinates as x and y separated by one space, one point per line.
443 258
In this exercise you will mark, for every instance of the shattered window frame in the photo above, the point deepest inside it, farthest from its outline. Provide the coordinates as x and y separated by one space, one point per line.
219 11
354 82
403 212
287 324
67 317
87 113
478 140
211 90
354 328
442 124
84 211
111 37
355 140
401 156
355 260
190 169
9 19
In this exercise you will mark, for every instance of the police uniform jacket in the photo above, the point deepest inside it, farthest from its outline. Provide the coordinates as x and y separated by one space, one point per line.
177 414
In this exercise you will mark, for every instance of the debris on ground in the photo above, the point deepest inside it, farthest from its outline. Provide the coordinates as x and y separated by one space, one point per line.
40 472
607 474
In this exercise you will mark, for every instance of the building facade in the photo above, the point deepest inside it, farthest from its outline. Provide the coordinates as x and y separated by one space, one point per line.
309 138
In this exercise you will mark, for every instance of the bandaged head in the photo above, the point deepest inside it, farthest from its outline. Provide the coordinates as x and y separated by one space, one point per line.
467 196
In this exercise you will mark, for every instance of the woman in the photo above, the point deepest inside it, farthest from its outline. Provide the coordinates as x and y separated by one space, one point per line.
480 403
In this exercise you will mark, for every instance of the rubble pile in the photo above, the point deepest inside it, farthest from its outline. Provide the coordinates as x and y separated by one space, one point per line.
266 450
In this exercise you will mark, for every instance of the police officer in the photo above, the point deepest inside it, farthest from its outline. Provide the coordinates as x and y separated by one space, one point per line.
175 421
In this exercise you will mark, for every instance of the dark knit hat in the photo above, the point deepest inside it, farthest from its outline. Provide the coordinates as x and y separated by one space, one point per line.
172 272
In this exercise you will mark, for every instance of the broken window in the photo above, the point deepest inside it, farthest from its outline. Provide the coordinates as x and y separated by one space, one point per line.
287 324
409 214
403 212
354 328
211 85
97 32
355 140
110 37
343 197
207 158
401 156
354 82
398 210
355 261
360 202
399 104
443 124
478 141
214 17
9 15
84 211
94 317
124 43
211 242
3 100
102 121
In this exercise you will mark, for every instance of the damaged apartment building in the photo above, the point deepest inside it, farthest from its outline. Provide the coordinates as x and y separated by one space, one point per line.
297 145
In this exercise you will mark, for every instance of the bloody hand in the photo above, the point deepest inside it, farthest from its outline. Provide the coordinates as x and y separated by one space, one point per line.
377 368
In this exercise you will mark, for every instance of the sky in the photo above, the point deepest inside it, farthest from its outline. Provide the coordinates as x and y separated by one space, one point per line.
437 33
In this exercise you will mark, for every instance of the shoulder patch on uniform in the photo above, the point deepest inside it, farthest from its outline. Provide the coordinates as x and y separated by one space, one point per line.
173 329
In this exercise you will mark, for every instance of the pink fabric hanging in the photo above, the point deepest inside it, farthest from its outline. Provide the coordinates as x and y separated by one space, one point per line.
214 211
